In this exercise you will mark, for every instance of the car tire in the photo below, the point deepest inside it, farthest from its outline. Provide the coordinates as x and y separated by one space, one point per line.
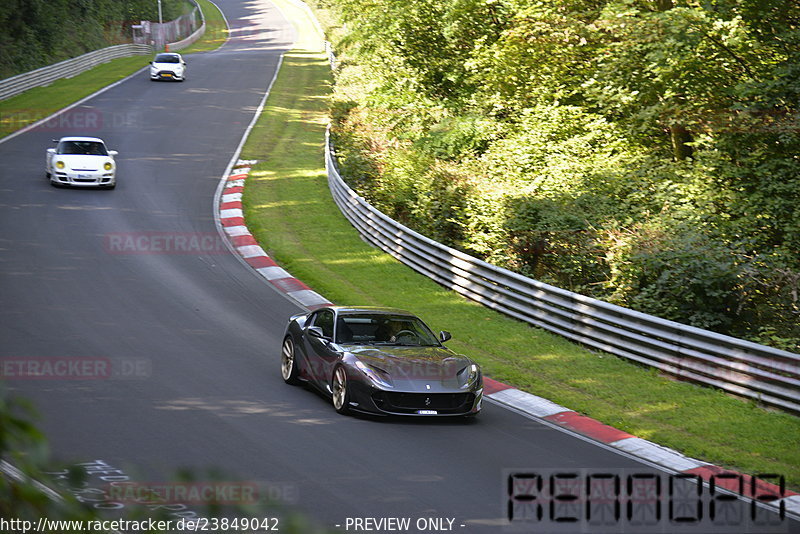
289 371
341 395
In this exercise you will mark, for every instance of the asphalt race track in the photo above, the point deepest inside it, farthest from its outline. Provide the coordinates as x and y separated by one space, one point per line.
196 334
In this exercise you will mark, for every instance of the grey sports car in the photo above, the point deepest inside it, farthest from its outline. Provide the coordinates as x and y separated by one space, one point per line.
380 361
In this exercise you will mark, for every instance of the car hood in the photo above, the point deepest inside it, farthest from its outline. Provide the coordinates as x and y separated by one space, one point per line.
416 368
168 66
81 162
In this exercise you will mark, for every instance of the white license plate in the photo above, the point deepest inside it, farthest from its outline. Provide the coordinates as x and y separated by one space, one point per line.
427 412
84 177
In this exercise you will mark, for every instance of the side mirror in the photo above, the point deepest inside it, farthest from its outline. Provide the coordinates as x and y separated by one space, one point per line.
315 331
113 153
444 335
51 150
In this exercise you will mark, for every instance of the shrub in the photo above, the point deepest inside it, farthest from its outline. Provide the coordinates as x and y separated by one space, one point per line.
457 137
551 242
674 271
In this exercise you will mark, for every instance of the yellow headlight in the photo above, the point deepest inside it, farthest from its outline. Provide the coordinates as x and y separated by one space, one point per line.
59 164
107 166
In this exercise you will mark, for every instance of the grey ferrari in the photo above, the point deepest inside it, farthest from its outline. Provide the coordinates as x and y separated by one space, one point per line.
381 361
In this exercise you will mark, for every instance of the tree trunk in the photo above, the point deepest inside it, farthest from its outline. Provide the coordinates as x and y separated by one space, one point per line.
663 5
680 137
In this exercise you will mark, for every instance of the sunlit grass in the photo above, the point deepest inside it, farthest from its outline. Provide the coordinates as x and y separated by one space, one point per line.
40 102
289 209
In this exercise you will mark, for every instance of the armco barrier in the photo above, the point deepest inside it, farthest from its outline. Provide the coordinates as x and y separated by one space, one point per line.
172 33
184 43
67 69
768 375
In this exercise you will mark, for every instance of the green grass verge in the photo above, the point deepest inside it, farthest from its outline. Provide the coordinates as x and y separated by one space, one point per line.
290 211
40 102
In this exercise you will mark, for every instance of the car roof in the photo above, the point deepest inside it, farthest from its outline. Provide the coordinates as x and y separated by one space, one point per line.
173 54
75 138
348 310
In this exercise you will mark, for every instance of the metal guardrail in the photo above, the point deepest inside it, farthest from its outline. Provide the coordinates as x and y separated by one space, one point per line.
67 69
768 375
197 34
175 31
184 43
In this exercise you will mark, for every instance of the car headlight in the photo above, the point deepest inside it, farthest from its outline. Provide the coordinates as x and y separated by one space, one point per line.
373 374
60 165
108 166
469 374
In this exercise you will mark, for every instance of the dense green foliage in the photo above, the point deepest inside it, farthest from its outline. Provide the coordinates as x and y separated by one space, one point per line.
646 152
36 33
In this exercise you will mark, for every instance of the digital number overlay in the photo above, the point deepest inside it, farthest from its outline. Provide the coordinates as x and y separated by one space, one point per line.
642 501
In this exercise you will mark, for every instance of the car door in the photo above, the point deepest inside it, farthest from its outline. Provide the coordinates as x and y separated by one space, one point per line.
321 354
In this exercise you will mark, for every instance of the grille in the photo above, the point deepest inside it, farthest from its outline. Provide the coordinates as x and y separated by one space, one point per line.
401 402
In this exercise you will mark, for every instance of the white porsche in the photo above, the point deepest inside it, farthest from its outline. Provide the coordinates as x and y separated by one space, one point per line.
81 161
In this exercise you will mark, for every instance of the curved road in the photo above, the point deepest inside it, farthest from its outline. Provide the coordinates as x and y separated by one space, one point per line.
206 330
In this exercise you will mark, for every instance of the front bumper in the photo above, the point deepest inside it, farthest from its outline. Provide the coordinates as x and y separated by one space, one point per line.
83 179
370 399
165 75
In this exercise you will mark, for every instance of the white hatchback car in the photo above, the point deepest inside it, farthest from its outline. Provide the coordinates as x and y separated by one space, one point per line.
81 161
168 66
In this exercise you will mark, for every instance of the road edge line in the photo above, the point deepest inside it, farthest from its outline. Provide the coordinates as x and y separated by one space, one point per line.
38 123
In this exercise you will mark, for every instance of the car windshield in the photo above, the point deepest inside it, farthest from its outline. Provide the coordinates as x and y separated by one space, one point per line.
167 58
383 329
86 148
